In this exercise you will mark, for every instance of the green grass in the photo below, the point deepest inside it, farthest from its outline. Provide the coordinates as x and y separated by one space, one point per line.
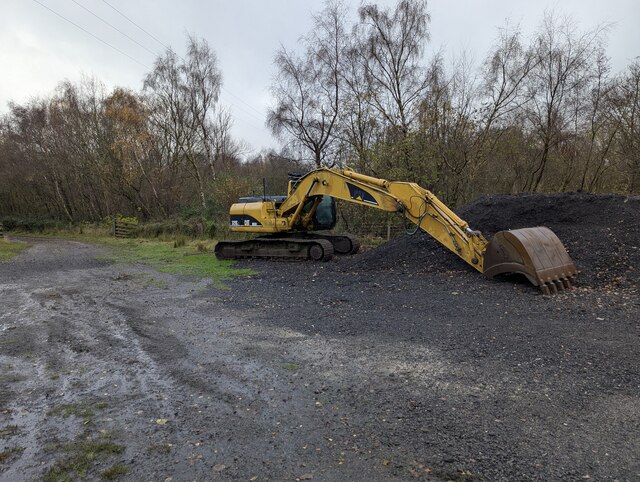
188 259
290 366
159 448
8 249
65 410
176 256
82 455
80 410
114 472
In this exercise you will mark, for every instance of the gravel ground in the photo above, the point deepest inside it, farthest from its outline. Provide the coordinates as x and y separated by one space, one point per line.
348 370
600 232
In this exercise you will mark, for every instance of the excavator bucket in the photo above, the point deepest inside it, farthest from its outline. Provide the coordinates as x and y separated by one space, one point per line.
536 253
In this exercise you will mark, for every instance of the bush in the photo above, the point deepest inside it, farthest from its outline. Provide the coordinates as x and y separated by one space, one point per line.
202 247
212 231
179 242
33 225
196 227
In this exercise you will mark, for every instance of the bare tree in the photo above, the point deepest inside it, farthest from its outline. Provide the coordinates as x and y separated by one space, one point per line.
594 126
505 72
183 94
132 145
226 150
625 104
392 45
359 122
563 64
307 88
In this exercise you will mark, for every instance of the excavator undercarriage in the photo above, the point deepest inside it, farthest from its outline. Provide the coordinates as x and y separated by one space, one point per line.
295 227
303 245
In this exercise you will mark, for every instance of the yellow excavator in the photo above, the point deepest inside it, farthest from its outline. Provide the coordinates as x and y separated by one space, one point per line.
295 227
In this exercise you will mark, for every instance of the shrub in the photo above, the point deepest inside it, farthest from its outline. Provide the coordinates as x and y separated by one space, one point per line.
179 242
34 224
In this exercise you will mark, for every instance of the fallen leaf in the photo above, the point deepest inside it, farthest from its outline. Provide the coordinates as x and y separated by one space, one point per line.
162 421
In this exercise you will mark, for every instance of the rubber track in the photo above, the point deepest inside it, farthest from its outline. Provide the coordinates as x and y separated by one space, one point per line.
337 240
267 247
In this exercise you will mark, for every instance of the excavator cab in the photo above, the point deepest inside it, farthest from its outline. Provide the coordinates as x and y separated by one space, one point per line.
324 217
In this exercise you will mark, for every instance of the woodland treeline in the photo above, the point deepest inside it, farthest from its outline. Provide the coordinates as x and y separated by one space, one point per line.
538 113
85 154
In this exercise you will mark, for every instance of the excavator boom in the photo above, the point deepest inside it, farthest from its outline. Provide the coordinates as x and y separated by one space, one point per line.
288 226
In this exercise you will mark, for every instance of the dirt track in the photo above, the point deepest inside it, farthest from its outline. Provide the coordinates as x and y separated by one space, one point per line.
312 370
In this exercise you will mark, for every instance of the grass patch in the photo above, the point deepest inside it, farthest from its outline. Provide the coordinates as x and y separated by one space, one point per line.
82 455
189 259
11 378
9 249
178 256
151 282
112 473
79 410
10 453
9 431
159 448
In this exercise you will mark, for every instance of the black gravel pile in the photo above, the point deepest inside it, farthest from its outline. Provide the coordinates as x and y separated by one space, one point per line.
600 232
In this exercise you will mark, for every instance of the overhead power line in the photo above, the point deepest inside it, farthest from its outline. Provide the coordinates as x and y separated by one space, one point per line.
114 27
122 14
141 45
93 35
167 47
240 99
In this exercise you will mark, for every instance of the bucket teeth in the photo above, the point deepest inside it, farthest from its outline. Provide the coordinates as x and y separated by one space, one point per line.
557 285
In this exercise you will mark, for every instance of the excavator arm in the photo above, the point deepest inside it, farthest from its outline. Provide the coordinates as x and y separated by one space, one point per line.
417 204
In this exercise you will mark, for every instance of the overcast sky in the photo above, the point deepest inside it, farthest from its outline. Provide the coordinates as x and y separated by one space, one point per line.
38 49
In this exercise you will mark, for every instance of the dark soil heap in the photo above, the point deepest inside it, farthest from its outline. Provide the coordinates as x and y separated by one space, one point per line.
601 234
